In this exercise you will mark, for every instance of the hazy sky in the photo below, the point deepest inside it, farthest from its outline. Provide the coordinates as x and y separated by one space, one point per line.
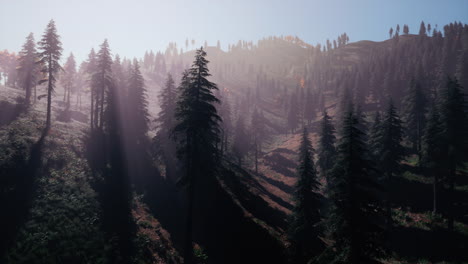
134 26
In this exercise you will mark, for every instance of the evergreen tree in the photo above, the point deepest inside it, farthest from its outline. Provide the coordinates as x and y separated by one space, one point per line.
422 29
101 84
303 230
90 70
326 145
241 140
137 105
375 135
454 129
50 52
293 113
197 130
406 29
391 152
68 78
258 132
27 67
432 147
355 211
415 109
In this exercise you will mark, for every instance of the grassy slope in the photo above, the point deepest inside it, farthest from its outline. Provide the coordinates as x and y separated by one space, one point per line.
63 223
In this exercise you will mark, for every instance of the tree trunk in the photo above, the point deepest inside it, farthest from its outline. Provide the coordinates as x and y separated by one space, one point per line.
92 109
450 198
435 194
256 158
49 94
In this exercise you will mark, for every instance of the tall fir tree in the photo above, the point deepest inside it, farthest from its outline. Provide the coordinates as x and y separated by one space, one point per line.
240 145
432 147
454 129
303 230
50 52
326 145
259 134
101 83
68 79
355 211
197 130
27 67
137 107
391 152
415 106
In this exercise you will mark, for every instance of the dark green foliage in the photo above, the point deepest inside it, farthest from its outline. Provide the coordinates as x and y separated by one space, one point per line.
293 113
415 110
68 79
197 132
391 152
101 82
137 105
303 230
432 149
258 133
27 67
355 211
326 145
375 135
240 146
454 129
49 56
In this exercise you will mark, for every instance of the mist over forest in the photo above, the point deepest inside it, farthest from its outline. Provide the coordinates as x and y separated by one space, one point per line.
269 151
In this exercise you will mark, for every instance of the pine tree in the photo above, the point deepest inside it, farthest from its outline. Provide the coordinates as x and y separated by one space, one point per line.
432 147
415 109
90 70
375 135
454 129
303 230
391 152
258 132
406 29
422 29
165 121
68 78
326 145
137 105
241 141
51 51
355 211
101 84
197 130
293 113
27 67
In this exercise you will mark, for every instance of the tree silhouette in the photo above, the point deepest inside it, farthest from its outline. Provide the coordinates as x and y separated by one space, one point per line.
50 52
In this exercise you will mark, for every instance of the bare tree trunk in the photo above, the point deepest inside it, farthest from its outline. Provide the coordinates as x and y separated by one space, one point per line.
49 95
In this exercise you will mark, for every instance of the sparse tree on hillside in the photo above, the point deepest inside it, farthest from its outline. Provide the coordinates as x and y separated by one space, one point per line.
197 130
27 67
241 140
303 230
454 129
415 110
392 152
68 78
422 29
50 52
406 29
326 145
355 212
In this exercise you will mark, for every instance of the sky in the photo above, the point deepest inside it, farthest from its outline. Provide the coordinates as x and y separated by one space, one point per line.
135 26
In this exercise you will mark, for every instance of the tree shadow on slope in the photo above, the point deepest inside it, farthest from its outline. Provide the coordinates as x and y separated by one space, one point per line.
18 176
280 164
220 225
435 245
